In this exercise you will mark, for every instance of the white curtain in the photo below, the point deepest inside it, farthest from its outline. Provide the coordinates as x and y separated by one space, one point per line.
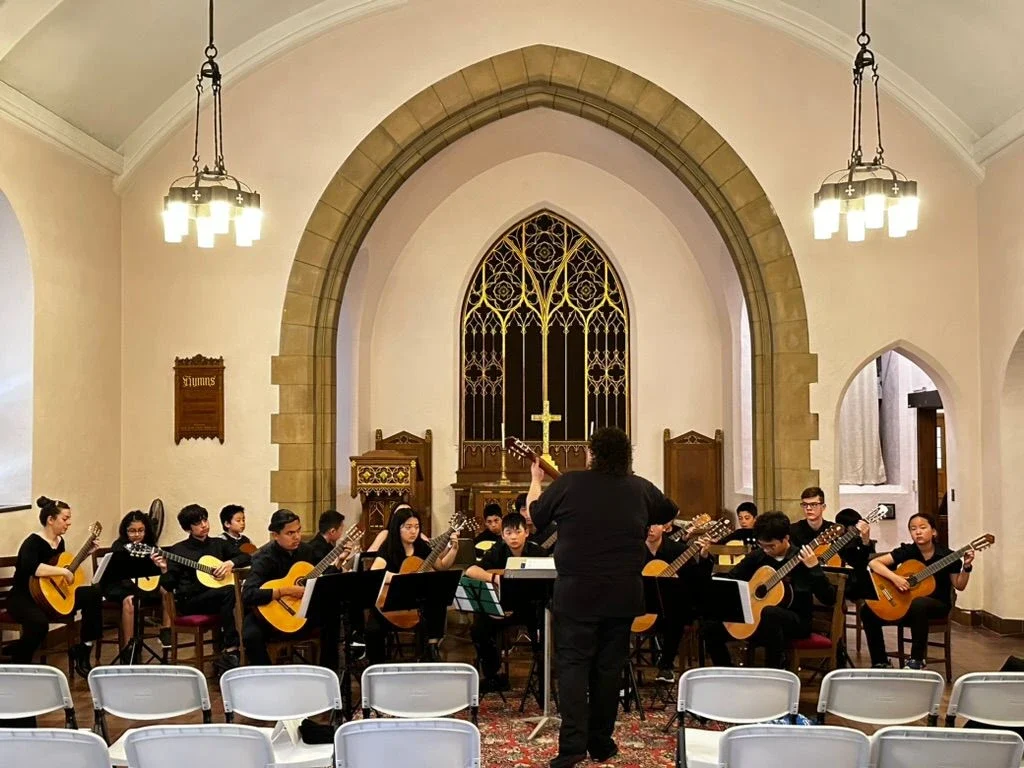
860 445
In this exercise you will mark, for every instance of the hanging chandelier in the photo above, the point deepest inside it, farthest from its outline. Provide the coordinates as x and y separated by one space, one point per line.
212 198
867 192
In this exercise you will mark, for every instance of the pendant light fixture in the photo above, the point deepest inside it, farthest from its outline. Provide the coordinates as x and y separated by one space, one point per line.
867 192
212 198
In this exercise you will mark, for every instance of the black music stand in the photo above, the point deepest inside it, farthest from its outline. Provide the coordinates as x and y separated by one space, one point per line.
125 567
351 590
420 592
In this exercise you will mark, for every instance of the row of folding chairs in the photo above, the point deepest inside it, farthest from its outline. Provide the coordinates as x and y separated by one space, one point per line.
869 697
378 743
275 694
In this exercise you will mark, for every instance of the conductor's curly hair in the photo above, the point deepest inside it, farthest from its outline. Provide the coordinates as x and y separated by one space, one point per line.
611 452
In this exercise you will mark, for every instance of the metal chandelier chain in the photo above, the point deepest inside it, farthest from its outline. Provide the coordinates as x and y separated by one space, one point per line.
864 60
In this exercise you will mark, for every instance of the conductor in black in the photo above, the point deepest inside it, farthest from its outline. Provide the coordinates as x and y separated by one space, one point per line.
602 515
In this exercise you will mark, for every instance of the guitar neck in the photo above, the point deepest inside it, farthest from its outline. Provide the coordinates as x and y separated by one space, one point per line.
333 555
176 558
435 550
687 555
838 544
938 565
82 554
549 542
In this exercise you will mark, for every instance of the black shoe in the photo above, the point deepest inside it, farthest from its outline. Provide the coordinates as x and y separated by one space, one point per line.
227 660
357 640
432 654
80 658
603 756
567 761
883 665
165 637
666 675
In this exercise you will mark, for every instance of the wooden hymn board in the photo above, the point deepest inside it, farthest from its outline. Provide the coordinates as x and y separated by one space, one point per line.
198 398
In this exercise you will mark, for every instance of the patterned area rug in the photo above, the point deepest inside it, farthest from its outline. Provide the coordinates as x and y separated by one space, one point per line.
642 744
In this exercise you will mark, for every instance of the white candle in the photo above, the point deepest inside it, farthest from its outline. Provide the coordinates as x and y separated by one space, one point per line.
503 433
591 429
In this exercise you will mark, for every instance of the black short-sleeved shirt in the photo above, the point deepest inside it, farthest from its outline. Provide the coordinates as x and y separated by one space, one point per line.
34 551
943 585
419 549
602 525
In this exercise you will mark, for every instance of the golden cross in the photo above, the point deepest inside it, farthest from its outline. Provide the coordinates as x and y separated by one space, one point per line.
546 418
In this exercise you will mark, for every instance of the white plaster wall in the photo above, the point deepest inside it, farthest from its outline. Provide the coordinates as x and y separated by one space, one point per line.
1001 259
17 319
782 106
69 216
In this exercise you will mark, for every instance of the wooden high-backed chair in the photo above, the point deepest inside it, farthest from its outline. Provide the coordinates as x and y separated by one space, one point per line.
828 630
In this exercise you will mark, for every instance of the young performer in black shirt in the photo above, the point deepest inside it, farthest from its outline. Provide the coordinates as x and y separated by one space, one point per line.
486 628
779 625
34 556
135 528
926 549
602 514
812 501
190 596
273 561
746 516
491 534
329 530
232 519
403 540
673 620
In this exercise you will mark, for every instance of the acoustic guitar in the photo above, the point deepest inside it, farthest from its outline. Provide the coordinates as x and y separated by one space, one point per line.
53 593
409 619
248 548
892 605
204 567
664 570
282 614
518 448
829 553
767 588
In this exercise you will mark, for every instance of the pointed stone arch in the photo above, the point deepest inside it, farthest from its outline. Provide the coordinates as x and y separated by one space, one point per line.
622 101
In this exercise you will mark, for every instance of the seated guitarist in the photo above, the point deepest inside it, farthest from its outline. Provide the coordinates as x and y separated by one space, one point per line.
190 596
485 628
746 516
273 561
34 557
330 527
232 520
135 528
403 540
779 625
937 605
672 623
812 501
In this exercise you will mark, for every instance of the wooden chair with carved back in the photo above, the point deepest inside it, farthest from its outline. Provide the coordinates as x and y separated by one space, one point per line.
941 627
194 629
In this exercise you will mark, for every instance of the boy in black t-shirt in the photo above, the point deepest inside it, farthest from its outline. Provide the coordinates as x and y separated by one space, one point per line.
485 628
491 534
232 520
927 550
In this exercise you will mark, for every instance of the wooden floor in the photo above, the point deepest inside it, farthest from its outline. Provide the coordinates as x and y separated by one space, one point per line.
974 650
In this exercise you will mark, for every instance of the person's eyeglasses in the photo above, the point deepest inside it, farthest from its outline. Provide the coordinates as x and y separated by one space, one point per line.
810 504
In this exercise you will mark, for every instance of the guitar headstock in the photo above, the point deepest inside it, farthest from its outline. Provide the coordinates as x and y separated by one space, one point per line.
95 530
699 522
830 535
983 542
354 533
875 515
460 523
518 448
138 549
718 529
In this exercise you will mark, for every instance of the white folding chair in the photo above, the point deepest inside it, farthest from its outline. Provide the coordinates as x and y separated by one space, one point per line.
736 695
881 696
423 743
992 698
282 693
784 746
223 746
51 747
899 747
421 690
145 693
30 690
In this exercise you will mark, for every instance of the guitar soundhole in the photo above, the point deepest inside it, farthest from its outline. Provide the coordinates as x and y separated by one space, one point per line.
761 592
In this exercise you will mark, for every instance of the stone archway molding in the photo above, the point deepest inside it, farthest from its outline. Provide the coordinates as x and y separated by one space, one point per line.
622 101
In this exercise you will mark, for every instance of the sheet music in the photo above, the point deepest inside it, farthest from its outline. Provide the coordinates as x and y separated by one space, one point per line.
101 568
465 601
743 593
307 597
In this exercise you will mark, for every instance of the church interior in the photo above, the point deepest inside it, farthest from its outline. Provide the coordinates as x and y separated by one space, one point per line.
360 255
